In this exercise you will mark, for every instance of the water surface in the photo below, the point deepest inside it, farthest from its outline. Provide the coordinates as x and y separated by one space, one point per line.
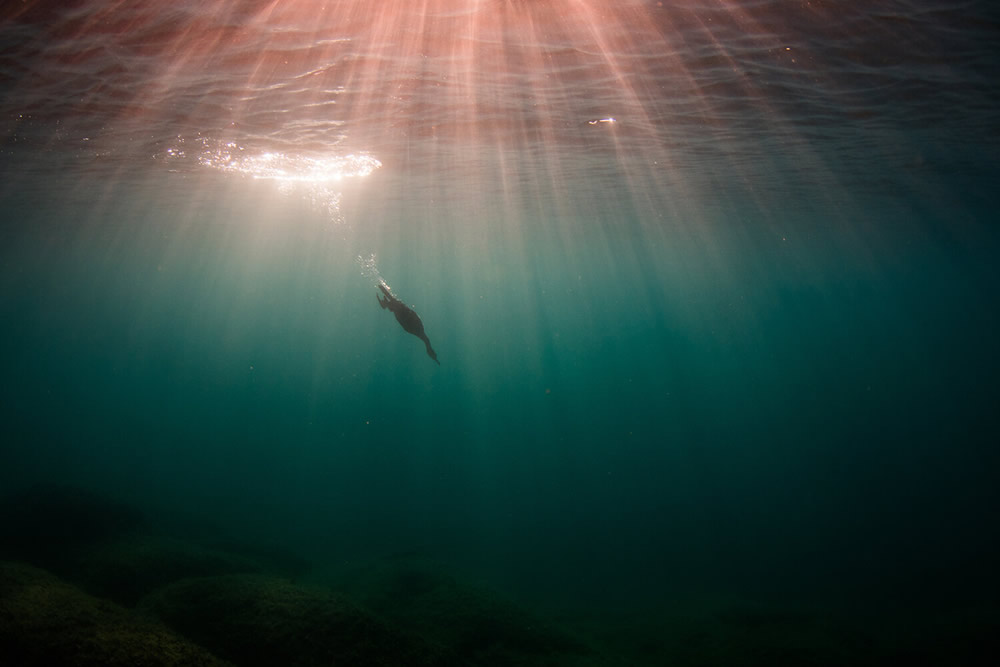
713 286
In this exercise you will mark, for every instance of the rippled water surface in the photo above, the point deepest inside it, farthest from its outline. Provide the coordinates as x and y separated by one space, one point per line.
713 287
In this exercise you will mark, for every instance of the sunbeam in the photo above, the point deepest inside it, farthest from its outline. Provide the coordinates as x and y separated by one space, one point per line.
711 287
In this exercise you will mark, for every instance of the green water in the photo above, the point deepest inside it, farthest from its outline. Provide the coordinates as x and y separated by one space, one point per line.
713 286
624 404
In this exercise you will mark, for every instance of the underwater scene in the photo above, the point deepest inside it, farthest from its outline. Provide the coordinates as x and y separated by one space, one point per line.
499 332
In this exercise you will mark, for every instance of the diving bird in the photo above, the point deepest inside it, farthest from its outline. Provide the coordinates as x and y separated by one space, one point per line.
407 319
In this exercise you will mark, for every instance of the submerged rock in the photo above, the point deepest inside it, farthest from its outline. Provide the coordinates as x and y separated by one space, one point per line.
112 550
126 570
259 620
48 524
45 621
479 625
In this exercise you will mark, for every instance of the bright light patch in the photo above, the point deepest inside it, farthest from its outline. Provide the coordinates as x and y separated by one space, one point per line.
315 179
231 157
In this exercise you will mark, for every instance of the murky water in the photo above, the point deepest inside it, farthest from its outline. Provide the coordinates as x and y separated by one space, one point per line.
713 287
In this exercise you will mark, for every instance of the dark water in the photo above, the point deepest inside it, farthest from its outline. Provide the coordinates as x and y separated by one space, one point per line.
714 288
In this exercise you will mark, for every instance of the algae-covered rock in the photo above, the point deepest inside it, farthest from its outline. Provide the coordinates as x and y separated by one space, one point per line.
721 631
48 524
44 622
480 625
126 570
259 620
111 550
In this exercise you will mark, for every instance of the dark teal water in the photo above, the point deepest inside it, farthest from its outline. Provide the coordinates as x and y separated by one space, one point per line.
739 344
